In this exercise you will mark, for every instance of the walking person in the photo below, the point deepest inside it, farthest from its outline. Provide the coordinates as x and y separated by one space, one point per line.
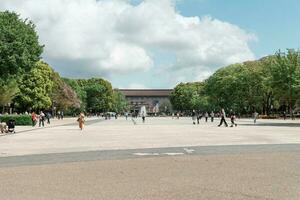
48 116
62 115
212 116
33 118
206 116
143 117
41 119
232 119
126 115
255 116
199 116
81 121
58 115
178 115
223 116
194 117
284 115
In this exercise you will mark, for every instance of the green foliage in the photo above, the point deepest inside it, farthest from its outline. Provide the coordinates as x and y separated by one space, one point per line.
8 90
96 94
285 72
63 96
165 107
21 120
189 96
36 87
19 46
119 102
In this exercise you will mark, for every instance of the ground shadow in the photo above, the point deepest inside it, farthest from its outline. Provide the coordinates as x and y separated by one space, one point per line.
274 124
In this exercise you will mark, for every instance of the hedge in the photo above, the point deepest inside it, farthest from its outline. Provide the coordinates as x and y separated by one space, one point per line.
22 120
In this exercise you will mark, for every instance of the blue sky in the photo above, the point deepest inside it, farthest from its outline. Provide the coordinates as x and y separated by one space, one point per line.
158 43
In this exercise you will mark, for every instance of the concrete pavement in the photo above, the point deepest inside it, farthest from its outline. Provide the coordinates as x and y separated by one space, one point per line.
155 133
161 159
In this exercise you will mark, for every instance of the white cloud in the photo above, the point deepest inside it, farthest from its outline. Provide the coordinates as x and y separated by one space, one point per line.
113 36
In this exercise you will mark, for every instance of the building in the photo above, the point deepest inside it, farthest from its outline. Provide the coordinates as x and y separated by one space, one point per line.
150 98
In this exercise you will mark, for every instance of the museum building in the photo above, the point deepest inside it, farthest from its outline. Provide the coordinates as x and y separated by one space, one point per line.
150 98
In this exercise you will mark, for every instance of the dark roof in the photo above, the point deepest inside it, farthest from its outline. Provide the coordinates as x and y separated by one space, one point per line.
146 92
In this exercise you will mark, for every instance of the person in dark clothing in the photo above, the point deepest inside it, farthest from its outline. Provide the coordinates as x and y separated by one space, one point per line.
284 115
48 116
194 116
232 119
199 116
212 116
223 120
206 116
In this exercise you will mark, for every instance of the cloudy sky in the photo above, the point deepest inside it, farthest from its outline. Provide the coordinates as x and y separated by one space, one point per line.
157 43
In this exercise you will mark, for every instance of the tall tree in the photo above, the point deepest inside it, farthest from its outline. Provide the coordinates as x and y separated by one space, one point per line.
36 87
63 96
19 46
286 77
119 102
8 90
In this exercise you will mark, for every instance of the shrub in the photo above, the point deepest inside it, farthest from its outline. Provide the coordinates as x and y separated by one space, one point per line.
23 120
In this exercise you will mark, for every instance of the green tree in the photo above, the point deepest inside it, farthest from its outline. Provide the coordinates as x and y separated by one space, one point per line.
36 88
119 102
285 72
63 96
189 96
79 90
99 94
19 46
8 90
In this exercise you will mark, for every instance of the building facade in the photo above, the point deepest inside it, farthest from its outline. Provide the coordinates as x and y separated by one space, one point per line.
151 99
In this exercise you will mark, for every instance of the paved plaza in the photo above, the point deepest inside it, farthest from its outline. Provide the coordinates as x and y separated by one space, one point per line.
99 134
163 158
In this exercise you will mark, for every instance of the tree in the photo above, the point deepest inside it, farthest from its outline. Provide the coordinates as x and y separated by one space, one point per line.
63 96
189 96
35 88
79 90
119 102
19 46
99 94
8 90
165 107
285 72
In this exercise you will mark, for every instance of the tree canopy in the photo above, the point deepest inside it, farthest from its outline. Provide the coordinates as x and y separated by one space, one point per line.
19 45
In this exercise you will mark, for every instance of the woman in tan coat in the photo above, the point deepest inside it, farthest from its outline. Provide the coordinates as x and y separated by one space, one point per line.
81 121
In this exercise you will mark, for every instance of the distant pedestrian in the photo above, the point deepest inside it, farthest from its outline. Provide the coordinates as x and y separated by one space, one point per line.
173 115
284 115
255 116
199 116
178 115
62 115
48 116
58 115
194 117
81 121
232 119
41 119
212 116
223 116
33 118
126 115
143 117
206 116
